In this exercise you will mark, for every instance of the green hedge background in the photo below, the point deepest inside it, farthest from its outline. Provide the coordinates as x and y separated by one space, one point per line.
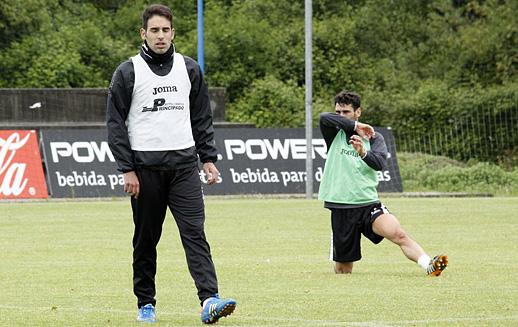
443 69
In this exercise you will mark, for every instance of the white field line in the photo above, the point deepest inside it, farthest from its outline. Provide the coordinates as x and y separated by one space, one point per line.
276 320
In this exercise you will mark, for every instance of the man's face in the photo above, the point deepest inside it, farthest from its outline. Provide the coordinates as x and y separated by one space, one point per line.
158 34
347 111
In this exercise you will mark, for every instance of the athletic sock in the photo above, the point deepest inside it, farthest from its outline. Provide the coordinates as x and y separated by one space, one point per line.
424 261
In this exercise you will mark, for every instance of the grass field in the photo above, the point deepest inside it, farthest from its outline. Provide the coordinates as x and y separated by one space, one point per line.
69 264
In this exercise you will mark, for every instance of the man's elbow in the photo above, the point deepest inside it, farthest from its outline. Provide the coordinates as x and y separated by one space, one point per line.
324 119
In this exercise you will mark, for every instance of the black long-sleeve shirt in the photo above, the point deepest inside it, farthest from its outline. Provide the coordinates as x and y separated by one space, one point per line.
119 103
332 123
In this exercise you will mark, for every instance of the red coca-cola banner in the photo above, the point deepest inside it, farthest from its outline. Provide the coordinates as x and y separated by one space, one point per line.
21 172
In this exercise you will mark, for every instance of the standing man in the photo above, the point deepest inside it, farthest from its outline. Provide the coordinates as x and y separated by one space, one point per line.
348 189
159 122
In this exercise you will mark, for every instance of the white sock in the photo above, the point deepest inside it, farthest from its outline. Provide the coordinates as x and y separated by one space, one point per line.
424 260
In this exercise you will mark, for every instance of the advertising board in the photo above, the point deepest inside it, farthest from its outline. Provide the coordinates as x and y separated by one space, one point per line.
251 161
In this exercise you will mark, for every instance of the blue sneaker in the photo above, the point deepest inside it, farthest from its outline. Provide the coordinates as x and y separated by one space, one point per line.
216 308
146 313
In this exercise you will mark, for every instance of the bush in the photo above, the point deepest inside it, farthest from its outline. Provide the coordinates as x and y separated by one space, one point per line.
426 173
270 103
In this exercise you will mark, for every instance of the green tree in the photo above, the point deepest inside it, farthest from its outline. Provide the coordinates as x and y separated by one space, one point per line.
419 64
269 102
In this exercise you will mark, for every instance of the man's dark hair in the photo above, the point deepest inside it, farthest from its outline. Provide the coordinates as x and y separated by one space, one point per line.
156 10
348 97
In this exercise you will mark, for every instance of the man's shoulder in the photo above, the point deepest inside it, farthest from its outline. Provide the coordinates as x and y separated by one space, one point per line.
378 143
379 136
126 65
186 58
123 75
190 63
124 70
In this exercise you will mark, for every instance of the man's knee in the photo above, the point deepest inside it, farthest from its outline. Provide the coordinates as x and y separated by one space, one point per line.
399 237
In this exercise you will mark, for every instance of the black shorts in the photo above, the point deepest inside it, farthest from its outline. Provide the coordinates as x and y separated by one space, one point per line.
348 225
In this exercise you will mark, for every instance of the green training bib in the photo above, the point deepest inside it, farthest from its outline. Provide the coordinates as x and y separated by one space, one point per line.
347 178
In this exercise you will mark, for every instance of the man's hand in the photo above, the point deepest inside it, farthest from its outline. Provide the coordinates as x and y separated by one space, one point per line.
365 131
357 144
131 184
211 172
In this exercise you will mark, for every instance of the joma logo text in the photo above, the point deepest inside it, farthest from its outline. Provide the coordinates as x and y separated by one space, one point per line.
162 89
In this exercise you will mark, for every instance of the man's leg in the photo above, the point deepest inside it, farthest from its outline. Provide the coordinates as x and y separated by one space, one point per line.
345 240
148 216
187 207
387 226
186 204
